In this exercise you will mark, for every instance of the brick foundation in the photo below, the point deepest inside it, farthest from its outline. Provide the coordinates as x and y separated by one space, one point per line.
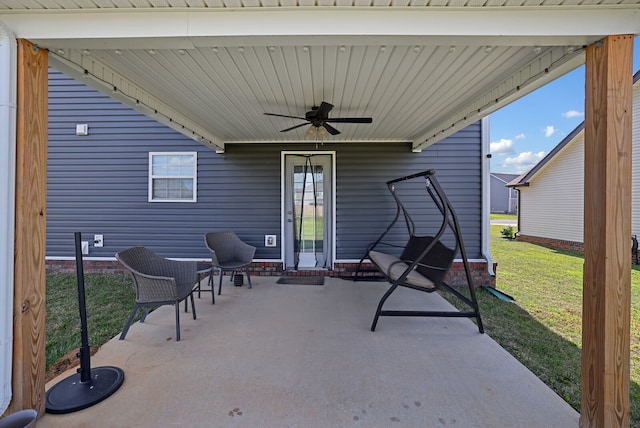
88 266
455 276
556 244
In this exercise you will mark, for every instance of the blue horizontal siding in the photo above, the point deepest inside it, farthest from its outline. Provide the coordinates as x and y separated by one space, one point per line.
97 184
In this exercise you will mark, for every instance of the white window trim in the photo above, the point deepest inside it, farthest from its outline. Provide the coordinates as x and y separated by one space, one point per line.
194 177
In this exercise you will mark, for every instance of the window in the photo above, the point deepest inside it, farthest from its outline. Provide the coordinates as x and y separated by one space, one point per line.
173 176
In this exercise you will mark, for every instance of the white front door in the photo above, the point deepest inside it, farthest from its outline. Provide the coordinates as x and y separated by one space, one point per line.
308 211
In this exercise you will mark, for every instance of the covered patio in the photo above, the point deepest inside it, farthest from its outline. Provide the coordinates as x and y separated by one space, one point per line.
303 355
423 70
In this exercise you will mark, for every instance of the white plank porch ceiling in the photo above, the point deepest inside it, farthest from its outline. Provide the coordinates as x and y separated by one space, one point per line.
419 88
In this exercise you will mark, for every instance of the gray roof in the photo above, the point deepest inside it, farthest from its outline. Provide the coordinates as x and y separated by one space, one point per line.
506 178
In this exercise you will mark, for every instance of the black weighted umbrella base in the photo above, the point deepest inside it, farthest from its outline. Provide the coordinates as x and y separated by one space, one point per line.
71 394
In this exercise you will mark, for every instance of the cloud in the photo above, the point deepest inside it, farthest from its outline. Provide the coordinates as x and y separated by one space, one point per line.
523 162
572 114
520 136
502 147
549 131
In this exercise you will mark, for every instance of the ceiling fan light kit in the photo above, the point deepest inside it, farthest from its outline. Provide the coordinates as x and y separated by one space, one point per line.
317 133
311 133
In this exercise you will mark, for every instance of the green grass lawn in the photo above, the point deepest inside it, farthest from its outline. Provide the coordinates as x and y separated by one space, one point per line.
543 327
498 216
109 299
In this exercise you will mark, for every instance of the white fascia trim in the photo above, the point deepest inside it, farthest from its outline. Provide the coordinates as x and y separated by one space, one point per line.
508 24
8 67
486 195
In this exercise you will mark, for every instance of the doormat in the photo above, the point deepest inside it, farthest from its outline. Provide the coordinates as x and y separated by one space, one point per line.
301 280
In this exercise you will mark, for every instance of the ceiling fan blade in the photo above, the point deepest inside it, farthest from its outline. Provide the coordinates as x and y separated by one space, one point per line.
350 120
294 127
330 129
324 109
284 115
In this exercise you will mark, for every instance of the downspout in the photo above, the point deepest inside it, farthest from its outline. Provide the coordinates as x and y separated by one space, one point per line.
8 61
486 194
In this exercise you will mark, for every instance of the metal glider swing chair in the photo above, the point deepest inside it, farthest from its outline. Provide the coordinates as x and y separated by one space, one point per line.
425 260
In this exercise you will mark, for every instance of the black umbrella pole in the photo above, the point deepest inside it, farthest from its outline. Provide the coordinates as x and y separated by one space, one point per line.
88 386
85 352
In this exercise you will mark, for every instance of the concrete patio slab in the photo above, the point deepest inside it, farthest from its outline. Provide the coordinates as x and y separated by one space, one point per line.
303 356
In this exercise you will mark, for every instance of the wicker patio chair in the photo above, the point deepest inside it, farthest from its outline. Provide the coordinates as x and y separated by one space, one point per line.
158 281
229 254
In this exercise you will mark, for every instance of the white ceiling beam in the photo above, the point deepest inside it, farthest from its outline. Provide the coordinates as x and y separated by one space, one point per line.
114 27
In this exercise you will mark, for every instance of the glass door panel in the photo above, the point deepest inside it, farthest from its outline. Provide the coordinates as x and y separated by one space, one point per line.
308 184
308 211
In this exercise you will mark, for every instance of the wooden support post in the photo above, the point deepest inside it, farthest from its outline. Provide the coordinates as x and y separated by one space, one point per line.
607 234
30 227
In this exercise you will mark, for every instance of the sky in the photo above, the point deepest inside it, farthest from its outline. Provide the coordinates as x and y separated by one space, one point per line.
523 132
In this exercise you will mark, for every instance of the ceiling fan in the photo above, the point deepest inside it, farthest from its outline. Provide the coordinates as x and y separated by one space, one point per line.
319 117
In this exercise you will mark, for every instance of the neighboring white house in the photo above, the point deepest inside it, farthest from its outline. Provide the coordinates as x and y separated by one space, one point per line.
551 194
503 198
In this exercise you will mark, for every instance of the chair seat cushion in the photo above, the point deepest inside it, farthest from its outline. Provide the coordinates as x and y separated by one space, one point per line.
393 268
